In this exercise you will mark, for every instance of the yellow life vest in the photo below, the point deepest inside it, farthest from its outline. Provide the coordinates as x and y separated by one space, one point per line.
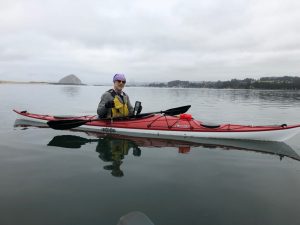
119 149
120 108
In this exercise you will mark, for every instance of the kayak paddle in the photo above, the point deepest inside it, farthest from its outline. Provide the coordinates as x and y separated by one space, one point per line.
169 112
65 124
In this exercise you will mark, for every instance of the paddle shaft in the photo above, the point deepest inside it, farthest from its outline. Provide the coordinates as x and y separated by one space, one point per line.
72 123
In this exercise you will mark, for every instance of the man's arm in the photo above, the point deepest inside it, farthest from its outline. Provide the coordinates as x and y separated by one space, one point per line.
102 110
130 108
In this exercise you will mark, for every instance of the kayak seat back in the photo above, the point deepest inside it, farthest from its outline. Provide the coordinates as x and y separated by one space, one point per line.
130 118
210 125
63 117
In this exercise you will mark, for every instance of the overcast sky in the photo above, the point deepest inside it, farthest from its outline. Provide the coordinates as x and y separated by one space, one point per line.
155 40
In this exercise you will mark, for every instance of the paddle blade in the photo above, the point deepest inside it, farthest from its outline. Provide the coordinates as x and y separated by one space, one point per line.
66 124
69 141
177 111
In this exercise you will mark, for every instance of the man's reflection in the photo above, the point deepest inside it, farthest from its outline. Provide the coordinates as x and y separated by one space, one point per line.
113 150
110 149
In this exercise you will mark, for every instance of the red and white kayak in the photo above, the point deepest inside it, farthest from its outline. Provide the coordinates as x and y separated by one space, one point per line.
173 127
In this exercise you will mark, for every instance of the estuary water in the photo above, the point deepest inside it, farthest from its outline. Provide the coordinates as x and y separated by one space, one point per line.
66 177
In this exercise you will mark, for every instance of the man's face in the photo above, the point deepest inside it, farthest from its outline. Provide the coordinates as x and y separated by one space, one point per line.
119 85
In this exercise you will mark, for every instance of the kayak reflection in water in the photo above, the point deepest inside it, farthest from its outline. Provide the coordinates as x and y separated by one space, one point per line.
113 150
110 149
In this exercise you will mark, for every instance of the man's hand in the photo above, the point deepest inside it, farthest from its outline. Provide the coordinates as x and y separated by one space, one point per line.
139 110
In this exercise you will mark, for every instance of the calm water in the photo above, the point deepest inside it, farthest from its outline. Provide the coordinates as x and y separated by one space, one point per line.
64 177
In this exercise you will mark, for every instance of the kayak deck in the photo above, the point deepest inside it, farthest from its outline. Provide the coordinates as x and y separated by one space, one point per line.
160 124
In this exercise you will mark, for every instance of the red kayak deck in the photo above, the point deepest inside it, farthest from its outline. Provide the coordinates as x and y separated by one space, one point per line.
163 122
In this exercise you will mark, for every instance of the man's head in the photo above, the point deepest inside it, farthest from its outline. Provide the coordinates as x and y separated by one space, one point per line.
119 81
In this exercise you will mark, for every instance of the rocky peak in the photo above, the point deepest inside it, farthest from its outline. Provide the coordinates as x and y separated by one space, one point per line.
70 79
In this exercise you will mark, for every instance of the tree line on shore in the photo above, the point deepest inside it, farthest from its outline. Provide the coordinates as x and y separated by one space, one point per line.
285 82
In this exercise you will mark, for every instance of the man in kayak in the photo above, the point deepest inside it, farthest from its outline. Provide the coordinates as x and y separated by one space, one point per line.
115 102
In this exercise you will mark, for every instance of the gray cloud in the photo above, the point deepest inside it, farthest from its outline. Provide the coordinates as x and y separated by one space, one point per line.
148 40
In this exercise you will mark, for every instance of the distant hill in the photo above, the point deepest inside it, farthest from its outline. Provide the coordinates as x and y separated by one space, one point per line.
70 79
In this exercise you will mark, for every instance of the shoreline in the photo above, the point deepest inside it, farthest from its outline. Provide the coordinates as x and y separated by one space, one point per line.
22 82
